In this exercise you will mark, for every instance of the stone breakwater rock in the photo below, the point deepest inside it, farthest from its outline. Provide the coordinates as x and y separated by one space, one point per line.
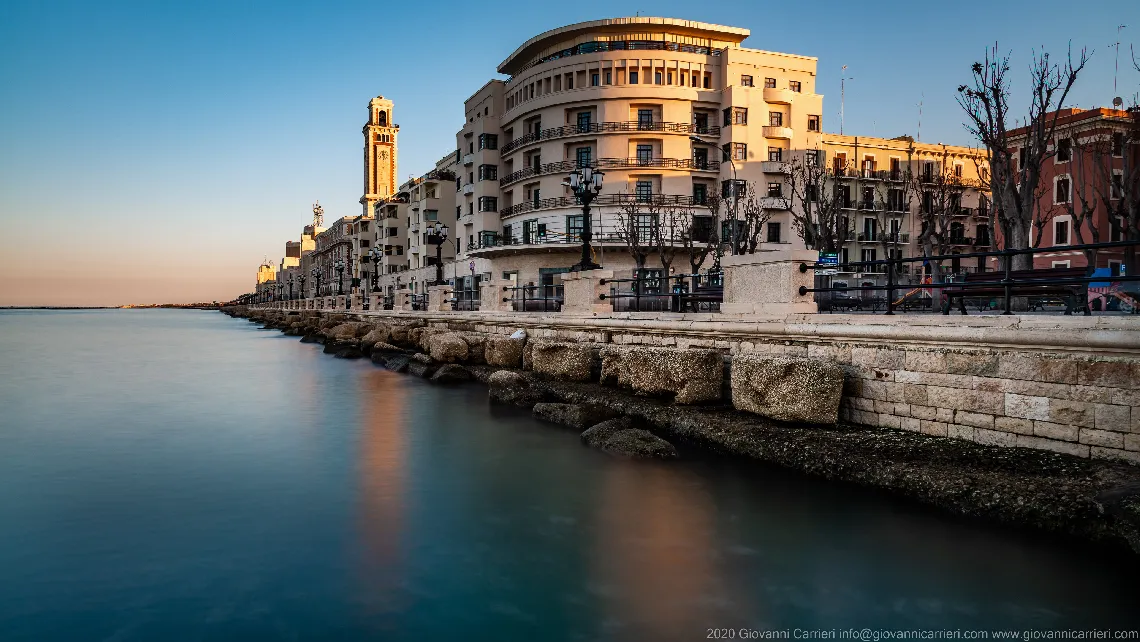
692 376
563 361
348 331
619 437
382 347
421 369
348 353
513 388
393 362
333 347
787 388
310 338
451 373
504 351
376 335
448 347
574 415
421 358
476 347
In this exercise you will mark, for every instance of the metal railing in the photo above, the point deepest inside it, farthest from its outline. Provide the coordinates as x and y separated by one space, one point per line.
651 292
608 128
997 287
535 298
621 45
614 163
419 302
466 300
604 199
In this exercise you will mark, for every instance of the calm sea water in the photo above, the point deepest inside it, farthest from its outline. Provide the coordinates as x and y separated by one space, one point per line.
180 475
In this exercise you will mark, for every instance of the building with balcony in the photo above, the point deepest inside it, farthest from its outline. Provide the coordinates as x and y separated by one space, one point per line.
1087 186
893 189
669 109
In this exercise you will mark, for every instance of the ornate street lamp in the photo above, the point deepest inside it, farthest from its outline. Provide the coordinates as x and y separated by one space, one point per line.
586 183
316 272
301 293
291 287
339 265
437 235
375 253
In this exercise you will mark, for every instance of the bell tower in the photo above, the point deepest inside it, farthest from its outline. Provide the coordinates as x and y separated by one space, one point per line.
379 154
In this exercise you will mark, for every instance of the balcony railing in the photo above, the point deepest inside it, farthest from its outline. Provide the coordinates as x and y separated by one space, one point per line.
663 200
606 128
621 45
603 163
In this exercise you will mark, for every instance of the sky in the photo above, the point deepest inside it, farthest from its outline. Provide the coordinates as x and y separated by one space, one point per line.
155 152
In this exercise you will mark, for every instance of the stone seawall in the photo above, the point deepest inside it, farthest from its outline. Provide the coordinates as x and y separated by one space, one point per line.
592 369
1063 384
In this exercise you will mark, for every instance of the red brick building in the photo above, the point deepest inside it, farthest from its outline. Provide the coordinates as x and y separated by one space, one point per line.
1094 168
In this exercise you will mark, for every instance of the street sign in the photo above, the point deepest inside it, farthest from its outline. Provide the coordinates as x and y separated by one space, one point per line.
827 259
472 266
819 272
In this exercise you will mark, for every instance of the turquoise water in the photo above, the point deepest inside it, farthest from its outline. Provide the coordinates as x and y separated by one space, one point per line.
180 475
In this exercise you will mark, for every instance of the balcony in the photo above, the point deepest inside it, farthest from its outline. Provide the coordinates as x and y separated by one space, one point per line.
468 159
778 96
665 200
898 237
776 131
774 203
961 240
774 167
699 165
608 128
469 188
620 45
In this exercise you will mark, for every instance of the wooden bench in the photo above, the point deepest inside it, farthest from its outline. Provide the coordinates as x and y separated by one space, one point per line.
1075 295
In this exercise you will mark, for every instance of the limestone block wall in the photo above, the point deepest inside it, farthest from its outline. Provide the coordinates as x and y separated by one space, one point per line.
1065 384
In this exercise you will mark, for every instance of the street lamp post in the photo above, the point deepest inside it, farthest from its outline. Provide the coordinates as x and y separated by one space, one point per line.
735 195
301 293
339 276
375 253
317 279
585 183
437 235
290 288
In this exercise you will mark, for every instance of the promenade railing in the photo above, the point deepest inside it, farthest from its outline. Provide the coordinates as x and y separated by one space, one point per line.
651 291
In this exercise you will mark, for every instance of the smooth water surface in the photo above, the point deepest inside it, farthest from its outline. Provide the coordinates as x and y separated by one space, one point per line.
180 475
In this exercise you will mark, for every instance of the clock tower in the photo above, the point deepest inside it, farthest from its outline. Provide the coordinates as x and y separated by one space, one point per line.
379 154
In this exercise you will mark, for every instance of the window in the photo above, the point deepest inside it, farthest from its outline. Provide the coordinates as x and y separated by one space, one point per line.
773 232
645 119
569 81
700 157
1061 190
769 83
708 81
700 194
746 81
584 156
739 115
657 78
574 227
702 230
813 123
958 170
813 158
775 154
535 197
775 190
431 215
794 85
594 81
982 232
927 202
1064 150
1118 144
644 154
488 172
776 118
739 151
895 200
727 191
643 191
633 77
1117 190
928 172
701 121
645 225
870 230
1021 157
1061 231
583 121
727 114
488 141
868 256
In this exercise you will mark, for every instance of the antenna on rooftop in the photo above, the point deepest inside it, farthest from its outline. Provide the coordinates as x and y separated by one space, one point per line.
918 134
843 78
1116 72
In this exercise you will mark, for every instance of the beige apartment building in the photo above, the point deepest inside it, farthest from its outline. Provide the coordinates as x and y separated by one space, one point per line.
626 96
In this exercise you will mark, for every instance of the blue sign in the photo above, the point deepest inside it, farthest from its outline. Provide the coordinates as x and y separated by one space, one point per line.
828 259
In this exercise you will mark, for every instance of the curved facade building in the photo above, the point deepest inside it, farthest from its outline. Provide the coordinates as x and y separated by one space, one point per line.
624 95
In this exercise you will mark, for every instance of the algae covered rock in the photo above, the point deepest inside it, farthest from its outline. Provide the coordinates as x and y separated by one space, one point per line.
513 388
447 347
692 376
504 351
563 361
451 373
787 388
574 415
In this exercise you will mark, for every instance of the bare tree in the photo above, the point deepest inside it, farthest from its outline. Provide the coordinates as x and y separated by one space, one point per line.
672 221
815 202
1014 185
939 194
702 236
755 216
634 222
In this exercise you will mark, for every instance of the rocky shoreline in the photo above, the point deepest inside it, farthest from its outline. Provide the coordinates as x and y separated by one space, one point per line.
1090 500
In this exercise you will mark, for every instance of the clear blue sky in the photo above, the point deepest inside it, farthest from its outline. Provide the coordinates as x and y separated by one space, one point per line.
156 151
